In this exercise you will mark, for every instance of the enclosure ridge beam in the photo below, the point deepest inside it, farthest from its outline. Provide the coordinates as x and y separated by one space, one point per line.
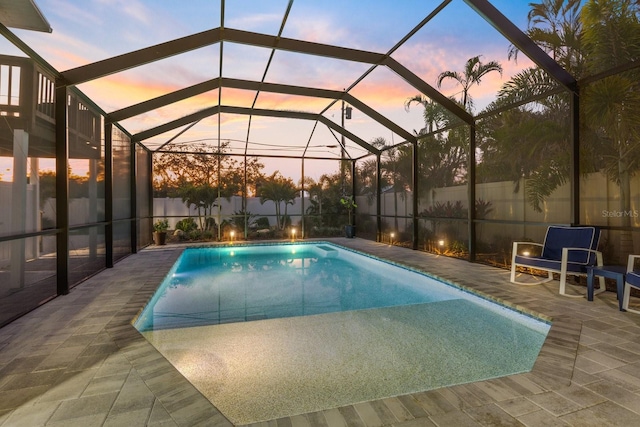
319 93
183 121
150 133
280 88
211 111
379 117
300 115
370 148
299 46
428 90
212 84
139 57
523 42
163 100
268 113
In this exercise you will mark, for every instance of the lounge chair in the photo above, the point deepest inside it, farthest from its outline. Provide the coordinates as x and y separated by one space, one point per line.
565 250
632 280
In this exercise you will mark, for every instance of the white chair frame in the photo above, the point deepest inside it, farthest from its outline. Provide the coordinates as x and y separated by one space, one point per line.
628 286
562 271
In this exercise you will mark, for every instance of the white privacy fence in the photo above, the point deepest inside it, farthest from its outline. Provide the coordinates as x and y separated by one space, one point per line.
599 202
175 209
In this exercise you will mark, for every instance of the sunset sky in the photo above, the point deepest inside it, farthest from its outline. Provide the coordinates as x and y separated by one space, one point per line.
85 31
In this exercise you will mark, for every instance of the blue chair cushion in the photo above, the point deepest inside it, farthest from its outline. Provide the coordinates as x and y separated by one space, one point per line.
633 277
549 264
571 237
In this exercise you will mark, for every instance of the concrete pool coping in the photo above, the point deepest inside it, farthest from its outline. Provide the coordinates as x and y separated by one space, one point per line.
78 361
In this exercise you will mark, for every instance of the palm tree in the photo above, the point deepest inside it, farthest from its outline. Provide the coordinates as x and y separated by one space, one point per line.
367 176
325 198
314 189
202 196
390 167
612 105
441 156
556 27
594 39
532 141
474 71
435 115
278 189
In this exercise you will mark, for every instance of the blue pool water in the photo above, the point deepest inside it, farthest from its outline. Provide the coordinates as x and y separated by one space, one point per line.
209 286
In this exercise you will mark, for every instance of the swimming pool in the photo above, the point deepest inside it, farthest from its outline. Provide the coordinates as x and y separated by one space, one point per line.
279 330
210 286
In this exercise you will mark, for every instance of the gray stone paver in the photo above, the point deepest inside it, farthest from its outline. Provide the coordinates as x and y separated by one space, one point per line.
518 406
78 361
541 418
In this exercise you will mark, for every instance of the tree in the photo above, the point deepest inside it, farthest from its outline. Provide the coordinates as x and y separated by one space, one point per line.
555 26
435 115
200 176
526 142
532 141
367 179
197 164
588 41
441 155
278 189
325 198
203 197
390 170
611 105
474 71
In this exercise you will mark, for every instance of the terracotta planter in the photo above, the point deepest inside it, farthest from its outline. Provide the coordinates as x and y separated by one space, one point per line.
160 237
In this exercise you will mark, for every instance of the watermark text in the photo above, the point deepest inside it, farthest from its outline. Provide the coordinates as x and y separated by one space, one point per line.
619 214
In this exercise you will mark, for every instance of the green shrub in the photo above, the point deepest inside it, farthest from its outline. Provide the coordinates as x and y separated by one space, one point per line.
187 224
210 223
262 223
161 225
193 235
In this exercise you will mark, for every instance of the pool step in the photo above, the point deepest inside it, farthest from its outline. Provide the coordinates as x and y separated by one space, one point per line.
327 251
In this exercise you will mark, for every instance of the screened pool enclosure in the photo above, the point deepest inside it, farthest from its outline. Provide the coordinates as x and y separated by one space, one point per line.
456 126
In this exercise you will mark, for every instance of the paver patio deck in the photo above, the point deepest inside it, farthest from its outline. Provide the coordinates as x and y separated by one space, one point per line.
77 361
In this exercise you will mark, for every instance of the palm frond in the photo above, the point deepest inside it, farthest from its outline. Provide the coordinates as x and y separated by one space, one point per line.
527 84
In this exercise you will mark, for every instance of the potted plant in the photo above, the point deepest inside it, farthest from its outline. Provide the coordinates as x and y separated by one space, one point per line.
349 204
160 228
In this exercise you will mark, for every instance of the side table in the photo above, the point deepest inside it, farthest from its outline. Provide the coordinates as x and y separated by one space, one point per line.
616 272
